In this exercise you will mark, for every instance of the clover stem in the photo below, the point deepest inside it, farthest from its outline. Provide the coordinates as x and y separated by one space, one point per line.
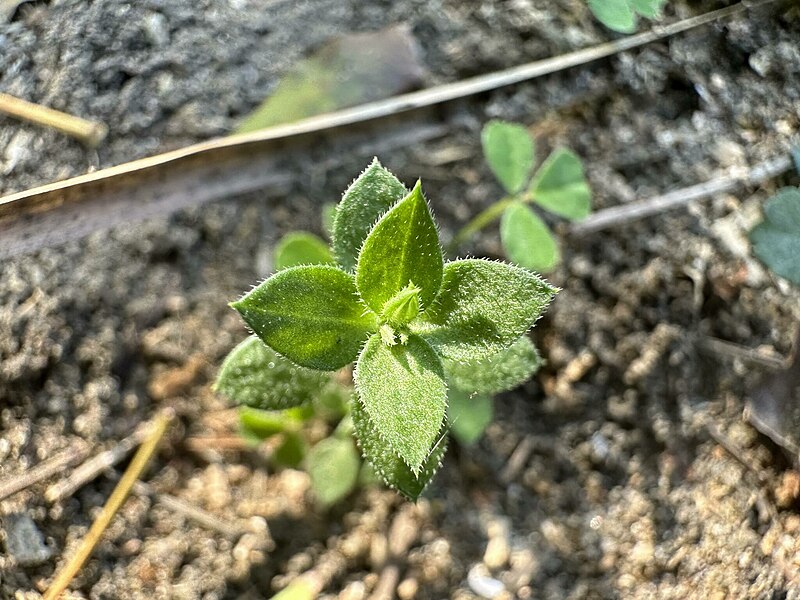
481 220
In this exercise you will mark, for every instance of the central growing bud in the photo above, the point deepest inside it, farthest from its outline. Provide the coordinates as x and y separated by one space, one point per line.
402 308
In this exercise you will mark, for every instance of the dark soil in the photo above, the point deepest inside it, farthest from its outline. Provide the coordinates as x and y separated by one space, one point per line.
624 491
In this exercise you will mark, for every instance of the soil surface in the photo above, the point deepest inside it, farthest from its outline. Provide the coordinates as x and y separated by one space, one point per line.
605 477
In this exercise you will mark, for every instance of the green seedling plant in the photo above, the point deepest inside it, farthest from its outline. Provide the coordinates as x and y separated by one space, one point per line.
559 187
622 15
428 337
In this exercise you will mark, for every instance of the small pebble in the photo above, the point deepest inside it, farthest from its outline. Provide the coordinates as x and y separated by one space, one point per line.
24 541
482 584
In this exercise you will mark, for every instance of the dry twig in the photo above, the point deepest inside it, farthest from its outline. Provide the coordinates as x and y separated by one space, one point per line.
633 211
67 458
115 501
92 467
90 133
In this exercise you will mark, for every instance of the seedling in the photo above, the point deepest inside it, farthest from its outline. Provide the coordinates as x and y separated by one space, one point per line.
559 187
410 321
622 15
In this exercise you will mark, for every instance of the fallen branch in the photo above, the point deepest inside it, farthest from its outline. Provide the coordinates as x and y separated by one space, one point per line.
115 501
66 210
619 215
72 455
90 133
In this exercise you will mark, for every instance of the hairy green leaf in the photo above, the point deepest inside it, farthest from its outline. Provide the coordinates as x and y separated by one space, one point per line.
256 424
255 375
482 308
311 315
401 249
509 150
333 465
403 307
301 248
371 195
561 187
391 468
497 373
527 240
617 15
776 241
468 415
403 391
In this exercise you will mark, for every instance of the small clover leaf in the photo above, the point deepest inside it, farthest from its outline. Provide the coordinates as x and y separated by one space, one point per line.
482 308
333 465
392 469
527 240
620 15
468 415
403 246
254 375
403 390
311 315
373 193
300 248
776 241
509 150
561 187
497 373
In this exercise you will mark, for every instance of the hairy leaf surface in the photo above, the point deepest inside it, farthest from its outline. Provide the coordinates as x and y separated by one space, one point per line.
373 193
391 468
527 240
402 248
301 248
333 465
468 415
497 373
403 391
560 186
311 315
776 241
509 150
482 308
255 375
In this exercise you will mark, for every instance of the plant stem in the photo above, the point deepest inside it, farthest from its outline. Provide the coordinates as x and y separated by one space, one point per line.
481 220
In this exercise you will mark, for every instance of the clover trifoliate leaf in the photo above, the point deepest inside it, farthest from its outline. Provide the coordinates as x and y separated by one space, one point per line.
373 193
468 414
403 248
390 467
776 240
560 186
617 15
333 465
310 314
255 375
527 240
482 308
497 373
509 150
301 248
403 390
648 8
